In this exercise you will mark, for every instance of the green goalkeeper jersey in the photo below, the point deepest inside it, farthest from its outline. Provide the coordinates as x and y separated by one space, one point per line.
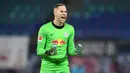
64 40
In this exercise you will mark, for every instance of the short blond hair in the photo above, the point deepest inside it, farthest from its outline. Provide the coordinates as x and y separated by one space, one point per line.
59 4
56 6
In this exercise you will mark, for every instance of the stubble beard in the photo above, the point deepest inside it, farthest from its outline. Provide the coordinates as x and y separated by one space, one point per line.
59 22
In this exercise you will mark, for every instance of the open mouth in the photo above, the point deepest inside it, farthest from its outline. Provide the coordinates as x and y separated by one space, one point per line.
63 17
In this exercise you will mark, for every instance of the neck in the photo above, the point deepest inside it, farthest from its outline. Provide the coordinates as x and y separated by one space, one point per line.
57 23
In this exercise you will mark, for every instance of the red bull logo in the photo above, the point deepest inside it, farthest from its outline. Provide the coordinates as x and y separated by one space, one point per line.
58 42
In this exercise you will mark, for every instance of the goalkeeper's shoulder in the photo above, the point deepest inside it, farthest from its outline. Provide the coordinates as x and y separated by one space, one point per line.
45 26
69 26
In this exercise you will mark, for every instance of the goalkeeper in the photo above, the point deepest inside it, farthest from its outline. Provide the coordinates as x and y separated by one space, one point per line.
56 42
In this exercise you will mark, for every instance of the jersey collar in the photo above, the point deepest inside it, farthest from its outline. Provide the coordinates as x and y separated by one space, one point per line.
58 27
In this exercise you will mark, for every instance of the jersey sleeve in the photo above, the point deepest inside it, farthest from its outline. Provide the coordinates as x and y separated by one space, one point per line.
71 44
41 42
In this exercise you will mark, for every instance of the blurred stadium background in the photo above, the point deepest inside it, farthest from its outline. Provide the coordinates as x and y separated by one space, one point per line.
102 26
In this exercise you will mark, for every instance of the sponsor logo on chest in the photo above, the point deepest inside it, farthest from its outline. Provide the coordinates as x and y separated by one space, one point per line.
58 42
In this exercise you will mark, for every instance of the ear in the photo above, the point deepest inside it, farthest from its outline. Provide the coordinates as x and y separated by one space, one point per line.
54 11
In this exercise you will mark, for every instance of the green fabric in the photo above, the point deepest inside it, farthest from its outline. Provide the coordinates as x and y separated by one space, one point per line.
63 70
49 35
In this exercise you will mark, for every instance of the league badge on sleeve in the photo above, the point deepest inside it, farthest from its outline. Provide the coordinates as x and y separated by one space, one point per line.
39 38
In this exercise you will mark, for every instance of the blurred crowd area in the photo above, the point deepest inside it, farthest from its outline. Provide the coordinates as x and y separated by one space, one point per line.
102 26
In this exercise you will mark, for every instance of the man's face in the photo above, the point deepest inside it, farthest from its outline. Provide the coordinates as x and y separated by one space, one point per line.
60 13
